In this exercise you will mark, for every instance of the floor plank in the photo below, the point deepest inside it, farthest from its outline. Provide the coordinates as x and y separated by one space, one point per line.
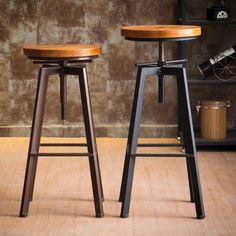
63 203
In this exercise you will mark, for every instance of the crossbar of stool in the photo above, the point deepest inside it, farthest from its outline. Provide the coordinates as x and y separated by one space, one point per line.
73 70
63 144
161 155
160 145
156 63
59 154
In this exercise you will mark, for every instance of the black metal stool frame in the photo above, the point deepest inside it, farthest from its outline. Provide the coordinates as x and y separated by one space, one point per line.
161 69
62 70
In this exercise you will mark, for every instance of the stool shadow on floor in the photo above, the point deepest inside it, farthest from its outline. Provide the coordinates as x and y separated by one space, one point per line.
62 198
9 208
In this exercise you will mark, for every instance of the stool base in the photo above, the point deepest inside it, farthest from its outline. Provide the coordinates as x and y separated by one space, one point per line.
23 215
34 145
99 215
200 217
124 215
186 131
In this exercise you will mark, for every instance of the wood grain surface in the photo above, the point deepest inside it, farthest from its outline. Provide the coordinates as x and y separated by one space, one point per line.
62 51
160 31
63 202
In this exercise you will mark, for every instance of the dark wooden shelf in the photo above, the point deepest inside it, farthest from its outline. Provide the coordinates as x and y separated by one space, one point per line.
208 22
229 141
198 80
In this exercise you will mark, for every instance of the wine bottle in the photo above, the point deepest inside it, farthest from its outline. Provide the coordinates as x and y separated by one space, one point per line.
220 60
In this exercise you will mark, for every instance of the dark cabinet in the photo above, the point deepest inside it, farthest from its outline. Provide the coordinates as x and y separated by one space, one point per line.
195 80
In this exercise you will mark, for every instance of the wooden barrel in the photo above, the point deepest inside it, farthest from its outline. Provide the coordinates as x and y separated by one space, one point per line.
214 119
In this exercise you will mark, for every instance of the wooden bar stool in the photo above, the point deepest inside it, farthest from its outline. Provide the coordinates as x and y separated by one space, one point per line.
161 68
62 60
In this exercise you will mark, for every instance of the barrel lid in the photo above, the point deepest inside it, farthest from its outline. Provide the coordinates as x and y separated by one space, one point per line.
213 103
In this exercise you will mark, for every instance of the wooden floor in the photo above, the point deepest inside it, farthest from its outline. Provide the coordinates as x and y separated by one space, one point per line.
160 199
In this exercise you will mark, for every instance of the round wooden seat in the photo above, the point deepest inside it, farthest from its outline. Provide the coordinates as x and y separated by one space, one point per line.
62 51
160 32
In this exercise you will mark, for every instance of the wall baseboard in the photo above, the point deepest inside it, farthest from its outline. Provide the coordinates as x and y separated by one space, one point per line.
101 131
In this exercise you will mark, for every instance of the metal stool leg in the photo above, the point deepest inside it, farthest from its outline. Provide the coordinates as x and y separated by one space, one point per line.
189 141
91 143
100 177
63 96
34 161
125 173
181 122
161 88
190 180
130 137
127 179
34 143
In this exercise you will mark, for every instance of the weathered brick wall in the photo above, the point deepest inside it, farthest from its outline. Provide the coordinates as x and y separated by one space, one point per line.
112 76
